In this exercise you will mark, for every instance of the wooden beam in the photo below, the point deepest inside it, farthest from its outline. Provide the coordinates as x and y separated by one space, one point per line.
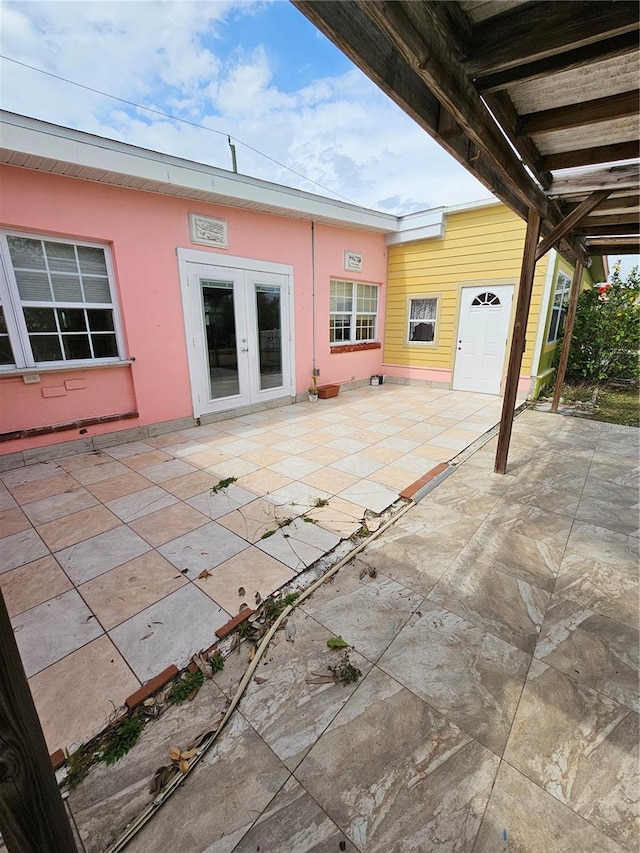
517 341
428 52
558 62
614 245
506 115
613 219
569 222
622 105
32 814
614 203
613 178
576 286
589 231
591 156
533 31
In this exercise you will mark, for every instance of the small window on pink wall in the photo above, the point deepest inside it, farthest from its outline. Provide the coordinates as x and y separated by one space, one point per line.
59 303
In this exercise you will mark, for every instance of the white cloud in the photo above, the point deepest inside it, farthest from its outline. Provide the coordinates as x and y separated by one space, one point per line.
340 131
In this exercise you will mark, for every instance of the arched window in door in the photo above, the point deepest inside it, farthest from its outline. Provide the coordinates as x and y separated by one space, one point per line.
486 298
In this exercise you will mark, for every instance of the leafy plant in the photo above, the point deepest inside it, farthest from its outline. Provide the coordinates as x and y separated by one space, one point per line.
223 484
217 662
345 672
121 739
606 333
273 607
320 502
185 686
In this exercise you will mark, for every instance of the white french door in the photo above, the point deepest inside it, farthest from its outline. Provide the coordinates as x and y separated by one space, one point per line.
238 334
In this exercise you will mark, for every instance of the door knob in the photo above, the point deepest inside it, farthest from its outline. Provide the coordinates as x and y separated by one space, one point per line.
244 349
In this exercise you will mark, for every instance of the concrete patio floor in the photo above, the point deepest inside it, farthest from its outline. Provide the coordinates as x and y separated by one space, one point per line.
118 563
498 704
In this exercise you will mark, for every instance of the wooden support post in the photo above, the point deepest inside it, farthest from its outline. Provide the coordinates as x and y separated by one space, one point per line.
568 333
518 340
32 814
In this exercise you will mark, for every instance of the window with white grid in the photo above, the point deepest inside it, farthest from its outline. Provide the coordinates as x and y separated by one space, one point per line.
58 303
422 320
353 312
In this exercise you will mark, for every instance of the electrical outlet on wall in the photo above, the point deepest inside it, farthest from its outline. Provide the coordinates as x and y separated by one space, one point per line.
316 371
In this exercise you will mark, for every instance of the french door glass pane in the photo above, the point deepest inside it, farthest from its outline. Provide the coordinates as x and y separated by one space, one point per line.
220 329
269 335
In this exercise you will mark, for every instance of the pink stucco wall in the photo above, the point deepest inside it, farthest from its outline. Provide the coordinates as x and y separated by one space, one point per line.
143 231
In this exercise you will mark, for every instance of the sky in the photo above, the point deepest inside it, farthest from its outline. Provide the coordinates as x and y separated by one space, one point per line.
256 70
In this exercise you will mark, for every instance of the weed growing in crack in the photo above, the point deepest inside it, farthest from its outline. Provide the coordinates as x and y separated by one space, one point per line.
121 740
183 688
223 484
345 672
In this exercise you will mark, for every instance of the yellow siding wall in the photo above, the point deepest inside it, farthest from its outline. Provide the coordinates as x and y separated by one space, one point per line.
479 245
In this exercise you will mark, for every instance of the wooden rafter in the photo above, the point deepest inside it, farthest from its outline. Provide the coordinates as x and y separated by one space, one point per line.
533 31
613 219
607 230
591 156
625 177
622 105
614 203
563 228
579 57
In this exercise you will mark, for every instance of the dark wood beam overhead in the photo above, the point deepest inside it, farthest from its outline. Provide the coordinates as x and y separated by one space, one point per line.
569 222
611 221
428 52
506 114
613 203
625 177
591 156
611 246
607 230
533 31
622 105
579 57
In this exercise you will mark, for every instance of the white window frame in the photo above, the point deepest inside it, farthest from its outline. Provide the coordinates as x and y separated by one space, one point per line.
354 313
558 308
14 316
435 298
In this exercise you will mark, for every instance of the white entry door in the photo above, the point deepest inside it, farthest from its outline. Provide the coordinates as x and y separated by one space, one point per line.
239 336
482 338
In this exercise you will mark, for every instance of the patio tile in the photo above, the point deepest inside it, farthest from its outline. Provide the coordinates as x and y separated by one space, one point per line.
294 821
20 548
263 481
203 548
419 782
295 467
170 631
103 470
84 460
13 521
251 570
581 747
108 490
508 608
33 583
122 592
299 544
56 506
265 456
531 521
30 474
220 815
469 675
232 468
239 446
139 461
168 470
217 504
408 560
294 446
6 499
207 458
321 435
190 485
166 524
138 504
374 496
522 816
336 521
98 554
76 696
288 712
612 513
599 571
405 445
357 465
77 527
49 631
463 498
254 519
367 613
348 444
131 448
324 455
35 490
394 478
329 479
296 497
592 650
